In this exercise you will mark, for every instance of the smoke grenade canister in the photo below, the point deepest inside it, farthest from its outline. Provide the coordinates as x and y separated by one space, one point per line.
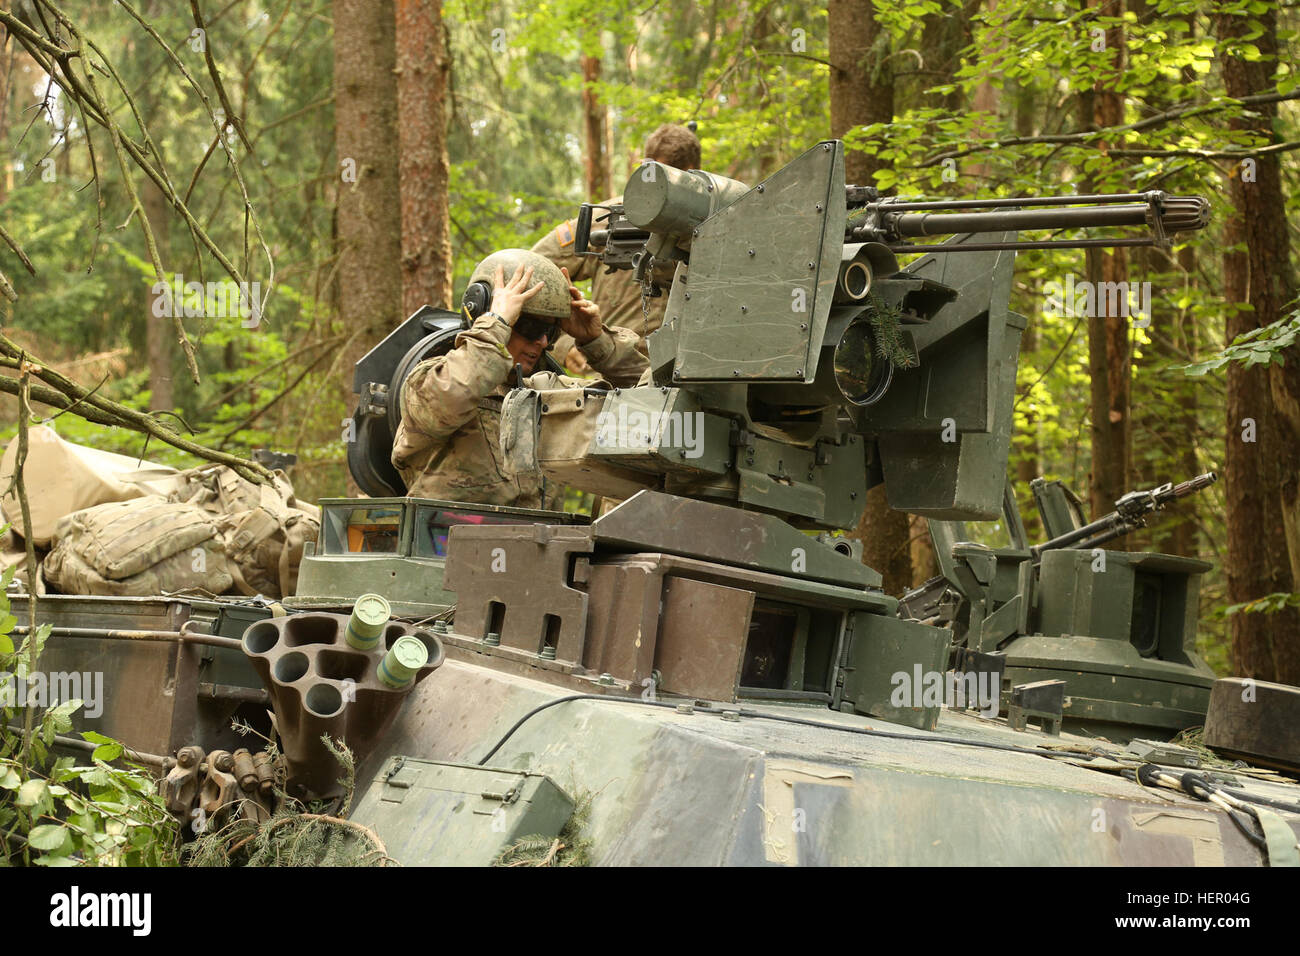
366 626
399 666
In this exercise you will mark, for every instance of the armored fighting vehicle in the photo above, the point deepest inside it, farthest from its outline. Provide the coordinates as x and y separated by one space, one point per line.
707 670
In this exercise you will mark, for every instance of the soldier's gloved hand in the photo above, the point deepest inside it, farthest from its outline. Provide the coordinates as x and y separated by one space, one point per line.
508 298
584 316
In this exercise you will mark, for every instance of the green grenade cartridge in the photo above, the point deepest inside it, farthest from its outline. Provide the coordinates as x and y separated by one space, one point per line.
403 660
366 626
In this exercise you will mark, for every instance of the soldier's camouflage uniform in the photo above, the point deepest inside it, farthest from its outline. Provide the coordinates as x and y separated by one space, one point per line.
617 294
447 443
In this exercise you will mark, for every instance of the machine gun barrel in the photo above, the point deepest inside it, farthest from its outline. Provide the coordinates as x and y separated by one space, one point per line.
1168 493
891 221
1129 515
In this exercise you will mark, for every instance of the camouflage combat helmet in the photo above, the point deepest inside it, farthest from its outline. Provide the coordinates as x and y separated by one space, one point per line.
552 301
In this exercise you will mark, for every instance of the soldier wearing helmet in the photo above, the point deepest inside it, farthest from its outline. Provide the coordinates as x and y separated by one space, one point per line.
617 293
447 443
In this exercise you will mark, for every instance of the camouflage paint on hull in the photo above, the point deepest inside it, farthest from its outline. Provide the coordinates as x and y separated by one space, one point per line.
699 789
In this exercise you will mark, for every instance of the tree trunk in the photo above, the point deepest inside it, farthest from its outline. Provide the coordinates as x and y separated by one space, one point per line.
1109 356
594 118
862 92
1165 406
765 35
1025 444
1165 417
159 331
1260 475
423 82
369 227
861 81
925 564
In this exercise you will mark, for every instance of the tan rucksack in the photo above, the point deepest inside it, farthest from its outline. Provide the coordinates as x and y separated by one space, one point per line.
137 547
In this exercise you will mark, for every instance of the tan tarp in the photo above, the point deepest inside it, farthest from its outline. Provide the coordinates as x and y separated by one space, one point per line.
121 528
13 553
62 478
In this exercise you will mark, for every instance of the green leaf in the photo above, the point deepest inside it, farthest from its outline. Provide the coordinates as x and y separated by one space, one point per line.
9 779
60 715
97 777
108 752
50 836
33 645
31 793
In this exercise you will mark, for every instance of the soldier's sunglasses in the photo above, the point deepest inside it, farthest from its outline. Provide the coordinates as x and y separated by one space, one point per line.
533 329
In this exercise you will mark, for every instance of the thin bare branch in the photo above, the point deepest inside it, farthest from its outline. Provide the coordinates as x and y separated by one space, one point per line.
123 415
18 251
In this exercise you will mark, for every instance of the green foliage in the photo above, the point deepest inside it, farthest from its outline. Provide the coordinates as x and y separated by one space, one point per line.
1264 345
69 814
87 308
1268 604
887 327
570 848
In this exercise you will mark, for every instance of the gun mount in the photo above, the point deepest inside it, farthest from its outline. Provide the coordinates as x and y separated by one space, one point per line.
798 365
1118 627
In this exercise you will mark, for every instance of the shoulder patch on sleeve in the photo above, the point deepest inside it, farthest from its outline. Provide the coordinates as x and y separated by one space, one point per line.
564 234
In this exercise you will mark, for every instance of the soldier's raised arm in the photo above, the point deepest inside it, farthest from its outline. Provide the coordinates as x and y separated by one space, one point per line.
611 352
614 354
442 394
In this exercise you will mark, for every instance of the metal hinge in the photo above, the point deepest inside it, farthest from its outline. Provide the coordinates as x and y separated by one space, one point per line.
505 798
510 796
398 781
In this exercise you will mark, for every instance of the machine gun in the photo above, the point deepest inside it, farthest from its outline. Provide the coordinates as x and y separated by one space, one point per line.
621 243
812 365
1118 627
892 220
1130 513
